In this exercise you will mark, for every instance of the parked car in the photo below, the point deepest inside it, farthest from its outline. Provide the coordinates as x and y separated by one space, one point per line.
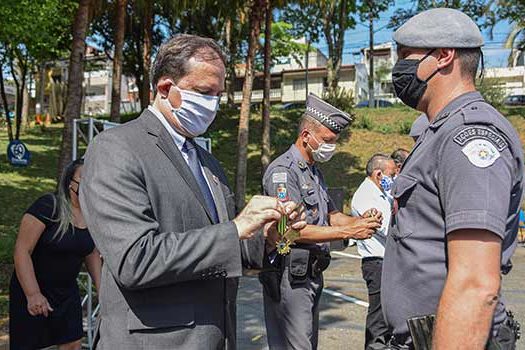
378 103
515 100
292 105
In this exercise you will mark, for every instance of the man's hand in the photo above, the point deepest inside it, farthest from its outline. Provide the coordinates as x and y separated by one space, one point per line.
373 212
361 229
259 211
296 221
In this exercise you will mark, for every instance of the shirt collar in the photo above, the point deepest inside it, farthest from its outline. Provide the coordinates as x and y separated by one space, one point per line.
177 138
455 105
373 187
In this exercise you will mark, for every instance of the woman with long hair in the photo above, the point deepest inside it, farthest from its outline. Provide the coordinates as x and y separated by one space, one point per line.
52 243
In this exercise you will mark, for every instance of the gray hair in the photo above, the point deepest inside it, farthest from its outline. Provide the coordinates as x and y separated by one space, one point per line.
174 55
62 205
378 161
309 123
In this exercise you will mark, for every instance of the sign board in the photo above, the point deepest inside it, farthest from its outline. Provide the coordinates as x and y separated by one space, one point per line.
18 154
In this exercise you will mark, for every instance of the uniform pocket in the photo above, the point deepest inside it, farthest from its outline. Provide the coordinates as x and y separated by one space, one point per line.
405 202
311 203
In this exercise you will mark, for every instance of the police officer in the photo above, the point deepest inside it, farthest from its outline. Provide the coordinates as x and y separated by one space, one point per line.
293 283
456 199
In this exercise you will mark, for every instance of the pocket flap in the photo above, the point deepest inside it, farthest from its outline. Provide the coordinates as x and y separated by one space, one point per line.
311 200
155 316
403 184
299 262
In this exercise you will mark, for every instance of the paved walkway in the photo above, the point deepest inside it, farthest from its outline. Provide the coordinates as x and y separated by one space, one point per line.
342 316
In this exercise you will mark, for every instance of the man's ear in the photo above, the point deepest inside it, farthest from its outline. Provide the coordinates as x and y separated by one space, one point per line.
445 58
305 135
378 174
163 87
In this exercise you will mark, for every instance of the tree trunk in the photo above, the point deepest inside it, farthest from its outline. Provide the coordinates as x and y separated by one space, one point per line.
335 43
20 86
266 149
74 84
371 103
41 87
6 104
306 64
232 50
146 54
242 139
117 61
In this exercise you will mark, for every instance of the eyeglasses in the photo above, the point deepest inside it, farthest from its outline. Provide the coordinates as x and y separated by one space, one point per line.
78 185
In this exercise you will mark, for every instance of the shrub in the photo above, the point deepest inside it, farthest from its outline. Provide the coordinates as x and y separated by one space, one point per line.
364 122
340 98
405 126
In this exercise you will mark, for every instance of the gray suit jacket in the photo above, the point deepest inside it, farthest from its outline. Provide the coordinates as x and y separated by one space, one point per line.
169 279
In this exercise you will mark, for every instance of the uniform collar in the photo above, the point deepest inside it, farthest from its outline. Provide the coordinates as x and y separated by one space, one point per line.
298 158
453 106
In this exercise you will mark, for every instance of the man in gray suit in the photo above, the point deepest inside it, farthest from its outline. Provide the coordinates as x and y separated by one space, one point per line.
162 215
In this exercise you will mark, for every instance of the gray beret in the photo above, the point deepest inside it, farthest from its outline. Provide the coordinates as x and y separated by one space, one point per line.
331 117
439 28
419 126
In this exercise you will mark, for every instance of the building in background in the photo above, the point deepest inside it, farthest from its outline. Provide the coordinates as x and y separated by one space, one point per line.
288 82
510 79
385 57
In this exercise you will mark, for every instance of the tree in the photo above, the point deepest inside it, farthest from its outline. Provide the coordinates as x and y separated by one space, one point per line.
513 11
146 52
336 20
35 32
256 11
265 153
75 78
304 21
120 31
370 10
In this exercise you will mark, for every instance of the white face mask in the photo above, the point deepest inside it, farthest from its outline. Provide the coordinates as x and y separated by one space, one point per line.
196 112
324 151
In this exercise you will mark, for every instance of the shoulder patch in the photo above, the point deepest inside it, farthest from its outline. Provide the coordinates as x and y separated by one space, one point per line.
481 153
480 132
279 178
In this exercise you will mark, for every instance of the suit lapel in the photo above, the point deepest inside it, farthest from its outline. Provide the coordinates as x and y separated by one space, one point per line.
168 147
215 185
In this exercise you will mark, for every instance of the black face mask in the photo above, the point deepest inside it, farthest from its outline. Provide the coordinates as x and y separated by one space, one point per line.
409 88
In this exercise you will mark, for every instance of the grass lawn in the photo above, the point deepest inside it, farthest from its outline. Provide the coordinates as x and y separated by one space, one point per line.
374 131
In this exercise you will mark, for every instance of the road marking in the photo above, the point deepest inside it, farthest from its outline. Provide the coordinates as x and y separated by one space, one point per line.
346 255
345 297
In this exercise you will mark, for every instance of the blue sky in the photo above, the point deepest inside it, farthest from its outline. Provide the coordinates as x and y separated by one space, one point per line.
494 54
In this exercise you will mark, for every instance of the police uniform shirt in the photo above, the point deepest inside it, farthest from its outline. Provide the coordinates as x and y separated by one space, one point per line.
465 172
304 184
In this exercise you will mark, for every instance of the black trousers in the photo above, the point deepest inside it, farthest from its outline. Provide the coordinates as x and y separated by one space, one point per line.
377 334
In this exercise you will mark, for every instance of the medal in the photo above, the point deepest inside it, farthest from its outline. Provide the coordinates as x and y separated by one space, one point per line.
286 236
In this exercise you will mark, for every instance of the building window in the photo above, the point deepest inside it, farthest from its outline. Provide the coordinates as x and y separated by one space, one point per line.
299 84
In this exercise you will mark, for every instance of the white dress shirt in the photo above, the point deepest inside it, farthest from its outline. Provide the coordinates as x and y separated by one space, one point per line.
368 196
178 139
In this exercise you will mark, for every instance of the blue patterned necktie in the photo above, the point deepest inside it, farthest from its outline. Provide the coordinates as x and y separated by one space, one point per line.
194 164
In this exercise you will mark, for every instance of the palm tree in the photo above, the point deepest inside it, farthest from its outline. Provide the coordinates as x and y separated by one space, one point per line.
256 11
75 78
515 41
117 60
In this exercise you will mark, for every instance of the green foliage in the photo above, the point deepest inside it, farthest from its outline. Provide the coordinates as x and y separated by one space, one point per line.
405 126
284 43
364 122
492 91
341 98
